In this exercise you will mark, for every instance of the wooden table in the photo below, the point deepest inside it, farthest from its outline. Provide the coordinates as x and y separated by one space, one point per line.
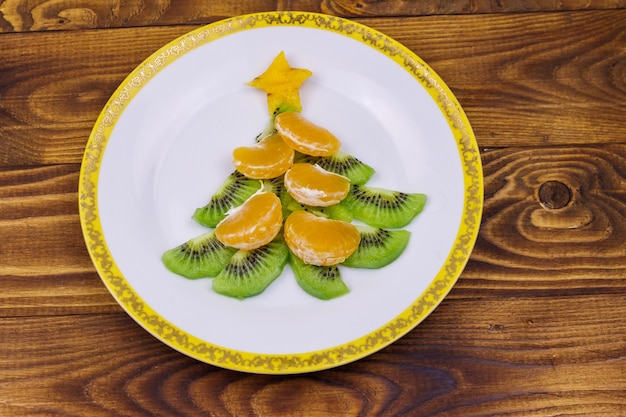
534 326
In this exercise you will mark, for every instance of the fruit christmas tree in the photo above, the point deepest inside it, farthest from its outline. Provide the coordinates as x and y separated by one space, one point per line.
294 198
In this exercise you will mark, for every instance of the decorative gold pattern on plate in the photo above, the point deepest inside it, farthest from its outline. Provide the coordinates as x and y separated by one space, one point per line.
302 362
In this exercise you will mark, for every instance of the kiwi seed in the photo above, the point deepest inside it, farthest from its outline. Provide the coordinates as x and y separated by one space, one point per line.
378 247
250 272
201 257
343 164
323 282
384 208
233 192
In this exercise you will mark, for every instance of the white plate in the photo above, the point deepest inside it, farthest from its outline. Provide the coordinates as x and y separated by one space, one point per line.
162 146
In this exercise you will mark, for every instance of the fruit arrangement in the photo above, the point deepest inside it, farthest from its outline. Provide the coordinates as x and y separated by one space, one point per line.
294 198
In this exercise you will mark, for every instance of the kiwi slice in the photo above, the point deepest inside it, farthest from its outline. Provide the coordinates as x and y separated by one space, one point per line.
277 186
323 282
336 212
343 164
269 127
250 272
378 247
387 209
201 257
236 189
268 130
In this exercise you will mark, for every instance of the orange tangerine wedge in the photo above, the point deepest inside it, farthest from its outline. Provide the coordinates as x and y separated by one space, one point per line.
320 241
267 159
253 224
314 186
305 136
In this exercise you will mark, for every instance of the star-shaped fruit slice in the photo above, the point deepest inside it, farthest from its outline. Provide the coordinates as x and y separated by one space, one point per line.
282 83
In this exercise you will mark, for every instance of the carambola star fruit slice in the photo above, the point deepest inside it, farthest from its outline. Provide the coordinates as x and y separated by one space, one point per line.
282 84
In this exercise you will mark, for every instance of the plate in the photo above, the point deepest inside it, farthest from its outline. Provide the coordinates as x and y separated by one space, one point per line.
162 145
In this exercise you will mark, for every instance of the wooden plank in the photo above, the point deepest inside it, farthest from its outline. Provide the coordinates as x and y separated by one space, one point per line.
40 15
554 220
39 223
44 264
468 358
569 88
456 7
553 224
52 91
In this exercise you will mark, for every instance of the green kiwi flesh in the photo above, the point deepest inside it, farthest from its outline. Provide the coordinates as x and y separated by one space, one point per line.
201 257
387 209
336 211
235 189
250 272
245 273
378 247
323 282
343 164
269 128
277 186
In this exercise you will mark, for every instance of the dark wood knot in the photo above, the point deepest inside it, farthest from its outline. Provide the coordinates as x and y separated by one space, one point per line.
554 195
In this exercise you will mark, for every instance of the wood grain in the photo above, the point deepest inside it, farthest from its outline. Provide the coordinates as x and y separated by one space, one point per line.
46 15
442 7
466 359
525 244
571 244
534 326
44 206
44 264
569 88
52 92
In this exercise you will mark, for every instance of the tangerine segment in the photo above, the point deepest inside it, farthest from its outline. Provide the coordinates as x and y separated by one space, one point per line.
305 136
314 186
253 224
320 241
267 159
